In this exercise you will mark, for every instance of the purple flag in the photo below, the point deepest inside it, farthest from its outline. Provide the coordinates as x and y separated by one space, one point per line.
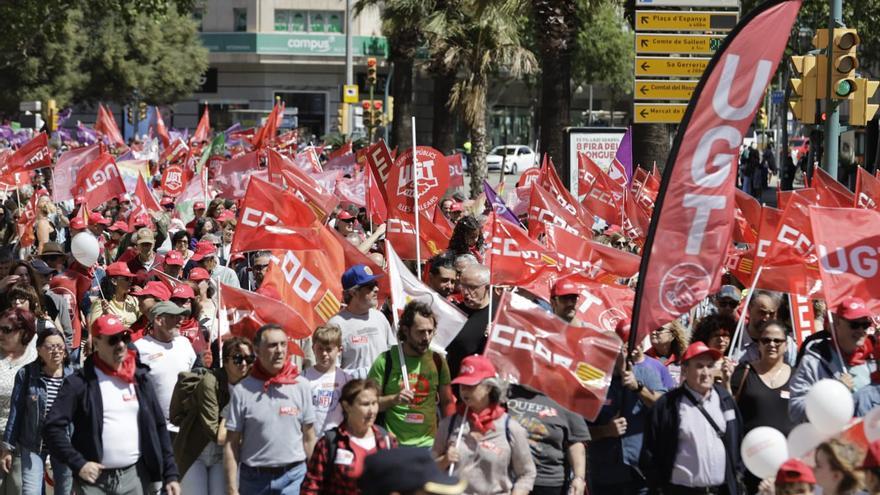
85 134
498 205
625 154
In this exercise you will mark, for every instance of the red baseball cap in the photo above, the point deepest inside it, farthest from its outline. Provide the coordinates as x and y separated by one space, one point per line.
77 223
142 220
455 206
119 269
225 216
166 201
344 215
795 471
182 291
853 308
174 258
204 249
199 205
154 289
612 229
108 325
872 458
119 226
698 349
198 274
564 287
95 217
474 369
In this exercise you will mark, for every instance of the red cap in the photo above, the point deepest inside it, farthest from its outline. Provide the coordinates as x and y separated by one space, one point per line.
853 308
456 206
119 226
95 217
474 369
199 205
344 215
142 220
77 223
564 287
119 269
225 216
613 229
698 349
198 274
166 201
182 291
108 325
79 200
174 258
124 197
795 471
872 458
154 289
203 249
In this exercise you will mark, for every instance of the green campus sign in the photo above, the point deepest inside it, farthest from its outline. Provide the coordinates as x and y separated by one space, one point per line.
326 45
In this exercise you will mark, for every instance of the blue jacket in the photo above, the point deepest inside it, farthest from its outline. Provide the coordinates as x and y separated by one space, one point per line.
24 427
79 403
660 445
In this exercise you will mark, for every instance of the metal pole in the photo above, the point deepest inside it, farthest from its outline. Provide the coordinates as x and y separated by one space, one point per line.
832 125
349 62
385 103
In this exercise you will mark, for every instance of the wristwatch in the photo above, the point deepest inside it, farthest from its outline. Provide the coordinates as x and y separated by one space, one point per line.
640 387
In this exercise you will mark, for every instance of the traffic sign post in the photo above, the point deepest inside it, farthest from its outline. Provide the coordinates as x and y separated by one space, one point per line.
664 20
659 113
664 90
670 66
689 44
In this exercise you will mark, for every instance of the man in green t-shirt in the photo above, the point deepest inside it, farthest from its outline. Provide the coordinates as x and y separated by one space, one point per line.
411 413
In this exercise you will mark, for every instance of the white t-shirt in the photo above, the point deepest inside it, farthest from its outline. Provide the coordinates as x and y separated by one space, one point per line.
326 391
120 435
364 337
166 360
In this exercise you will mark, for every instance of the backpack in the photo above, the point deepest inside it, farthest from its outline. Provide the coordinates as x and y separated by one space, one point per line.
332 436
386 375
183 396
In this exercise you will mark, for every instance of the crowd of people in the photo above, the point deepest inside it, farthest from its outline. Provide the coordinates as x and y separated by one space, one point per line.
151 396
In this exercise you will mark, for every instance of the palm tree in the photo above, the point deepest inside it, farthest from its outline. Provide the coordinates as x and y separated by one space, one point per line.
443 123
478 38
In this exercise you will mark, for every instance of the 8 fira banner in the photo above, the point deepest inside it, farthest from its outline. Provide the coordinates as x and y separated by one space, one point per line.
693 220
598 143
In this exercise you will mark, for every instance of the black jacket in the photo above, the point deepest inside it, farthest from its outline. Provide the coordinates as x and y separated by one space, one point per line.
79 403
660 444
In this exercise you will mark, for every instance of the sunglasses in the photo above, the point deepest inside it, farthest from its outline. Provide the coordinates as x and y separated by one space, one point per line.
860 325
8 330
54 347
114 340
369 286
768 341
241 358
727 304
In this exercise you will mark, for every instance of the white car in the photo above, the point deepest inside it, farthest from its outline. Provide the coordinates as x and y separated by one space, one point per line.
518 157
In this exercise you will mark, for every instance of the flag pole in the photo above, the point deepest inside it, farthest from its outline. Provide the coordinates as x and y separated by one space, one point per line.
416 201
458 436
836 343
736 341
396 320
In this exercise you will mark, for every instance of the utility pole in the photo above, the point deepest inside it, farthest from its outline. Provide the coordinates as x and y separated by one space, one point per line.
349 65
832 124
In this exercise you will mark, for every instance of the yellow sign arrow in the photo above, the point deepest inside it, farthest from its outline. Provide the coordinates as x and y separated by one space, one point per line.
670 66
662 20
656 113
696 44
664 90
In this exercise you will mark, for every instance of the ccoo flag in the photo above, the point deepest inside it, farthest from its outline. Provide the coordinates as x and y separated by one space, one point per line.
692 224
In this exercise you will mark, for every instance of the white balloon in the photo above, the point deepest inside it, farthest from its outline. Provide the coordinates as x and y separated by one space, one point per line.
830 405
872 424
763 450
803 439
84 248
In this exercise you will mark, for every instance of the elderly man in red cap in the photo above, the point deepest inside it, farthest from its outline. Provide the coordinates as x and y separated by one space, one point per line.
822 356
564 298
207 257
692 440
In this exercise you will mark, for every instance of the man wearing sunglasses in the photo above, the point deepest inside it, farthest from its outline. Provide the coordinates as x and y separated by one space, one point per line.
727 300
106 423
763 307
822 356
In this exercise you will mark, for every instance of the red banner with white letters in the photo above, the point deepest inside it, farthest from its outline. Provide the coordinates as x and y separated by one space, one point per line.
32 155
791 262
456 170
99 181
803 317
596 261
544 210
693 221
518 260
433 180
867 190
248 311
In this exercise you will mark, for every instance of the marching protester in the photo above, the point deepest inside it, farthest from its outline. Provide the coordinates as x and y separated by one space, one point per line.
17 349
326 378
564 297
442 276
763 306
116 299
471 339
837 468
668 344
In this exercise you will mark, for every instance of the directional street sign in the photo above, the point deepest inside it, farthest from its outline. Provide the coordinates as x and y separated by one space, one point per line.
659 113
696 44
665 20
688 3
670 66
664 90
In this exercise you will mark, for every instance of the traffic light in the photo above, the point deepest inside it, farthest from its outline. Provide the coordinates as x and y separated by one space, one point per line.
860 111
372 77
844 61
762 118
368 113
142 111
52 115
803 106
389 112
342 118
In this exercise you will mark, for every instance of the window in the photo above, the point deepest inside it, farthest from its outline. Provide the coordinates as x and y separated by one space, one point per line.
302 21
298 22
316 22
281 18
198 16
239 20
334 23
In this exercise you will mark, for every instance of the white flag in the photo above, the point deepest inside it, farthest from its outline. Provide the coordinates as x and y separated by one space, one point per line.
405 287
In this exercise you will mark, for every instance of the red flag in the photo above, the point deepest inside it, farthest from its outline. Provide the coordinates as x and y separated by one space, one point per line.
143 200
232 175
867 190
572 365
639 177
433 180
442 223
203 130
529 177
603 196
266 134
307 160
247 311
803 318
353 190
517 260
847 240
456 170
26 234
791 262
377 207
106 125
99 181
748 218
544 210
401 232
272 218
551 182
601 306
339 152
174 180
647 194
32 155
831 193
354 257
174 153
597 261
161 130
635 221
380 162
692 227
66 167
283 171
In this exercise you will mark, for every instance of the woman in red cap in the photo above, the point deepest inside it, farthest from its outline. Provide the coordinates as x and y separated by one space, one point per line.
485 447
114 298
795 478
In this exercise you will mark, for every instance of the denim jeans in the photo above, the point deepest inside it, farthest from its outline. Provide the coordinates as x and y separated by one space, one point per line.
32 469
253 482
206 475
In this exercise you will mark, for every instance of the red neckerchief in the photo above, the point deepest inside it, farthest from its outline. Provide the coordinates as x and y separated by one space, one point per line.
124 373
484 420
286 376
861 354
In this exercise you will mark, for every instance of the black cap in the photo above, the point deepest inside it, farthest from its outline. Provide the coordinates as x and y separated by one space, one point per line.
406 469
41 267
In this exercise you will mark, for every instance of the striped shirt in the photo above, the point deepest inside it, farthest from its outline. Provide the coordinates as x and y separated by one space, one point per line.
52 386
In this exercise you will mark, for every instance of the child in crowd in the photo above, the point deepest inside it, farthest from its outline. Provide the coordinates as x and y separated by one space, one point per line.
326 378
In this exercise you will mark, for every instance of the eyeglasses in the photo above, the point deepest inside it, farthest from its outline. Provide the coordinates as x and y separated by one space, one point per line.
727 303
260 268
54 347
241 358
860 324
8 330
660 330
114 340
769 341
471 288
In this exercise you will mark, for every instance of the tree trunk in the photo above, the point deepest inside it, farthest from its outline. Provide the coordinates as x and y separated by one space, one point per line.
650 145
443 130
478 168
402 90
